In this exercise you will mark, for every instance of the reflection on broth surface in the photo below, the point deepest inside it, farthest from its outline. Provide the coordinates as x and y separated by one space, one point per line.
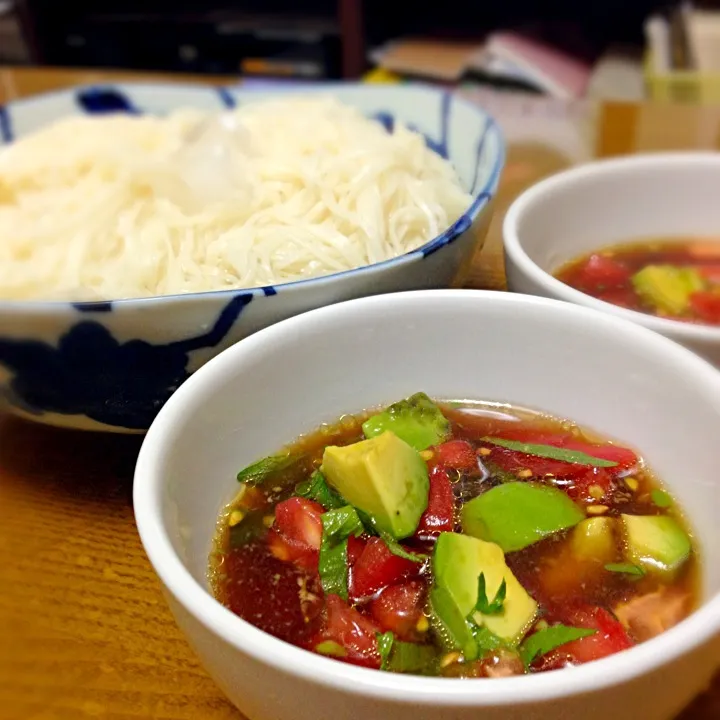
466 539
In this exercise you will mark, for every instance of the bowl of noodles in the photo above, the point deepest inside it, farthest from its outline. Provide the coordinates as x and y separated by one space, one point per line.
147 227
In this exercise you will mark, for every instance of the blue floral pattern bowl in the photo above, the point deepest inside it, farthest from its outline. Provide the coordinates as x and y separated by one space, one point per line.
112 365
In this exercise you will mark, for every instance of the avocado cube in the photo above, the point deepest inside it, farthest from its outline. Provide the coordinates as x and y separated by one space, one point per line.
593 538
515 515
384 477
656 543
667 288
458 561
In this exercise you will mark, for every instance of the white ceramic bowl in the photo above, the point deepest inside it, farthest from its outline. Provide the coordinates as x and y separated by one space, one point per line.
599 370
112 365
602 203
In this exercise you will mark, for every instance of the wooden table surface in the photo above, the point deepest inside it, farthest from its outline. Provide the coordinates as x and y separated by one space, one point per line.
84 630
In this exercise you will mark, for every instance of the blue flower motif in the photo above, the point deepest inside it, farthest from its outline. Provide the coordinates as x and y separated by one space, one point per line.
91 373
101 100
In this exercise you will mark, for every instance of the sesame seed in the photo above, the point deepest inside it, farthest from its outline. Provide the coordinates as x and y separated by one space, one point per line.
597 509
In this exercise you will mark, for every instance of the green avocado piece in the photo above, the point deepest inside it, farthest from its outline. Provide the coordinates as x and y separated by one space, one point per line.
458 560
418 421
656 543
667 288
515 515
384 477
450 624
593 539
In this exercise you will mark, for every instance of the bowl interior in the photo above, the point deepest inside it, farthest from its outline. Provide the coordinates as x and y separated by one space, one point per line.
619 201
572 362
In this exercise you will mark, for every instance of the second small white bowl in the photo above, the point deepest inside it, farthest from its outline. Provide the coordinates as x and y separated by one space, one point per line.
607 202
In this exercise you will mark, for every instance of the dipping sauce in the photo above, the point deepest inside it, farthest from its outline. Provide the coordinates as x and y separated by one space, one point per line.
673 278
464 540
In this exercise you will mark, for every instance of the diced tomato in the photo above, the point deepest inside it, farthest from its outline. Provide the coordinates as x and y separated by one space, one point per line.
709 272
376 568
593 477
513 461
297 532
623 297
535 435
599 272
706 305
455 455
399 608
354 632
624 457
440 513
355 548
610 637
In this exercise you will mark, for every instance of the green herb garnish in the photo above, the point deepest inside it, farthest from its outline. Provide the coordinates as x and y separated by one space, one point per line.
338 525
403 657
397 549
258 472
576 457
549 638
331 649
454 631
483 604
486 640
317 489
626 568
409 657
661 498
385 645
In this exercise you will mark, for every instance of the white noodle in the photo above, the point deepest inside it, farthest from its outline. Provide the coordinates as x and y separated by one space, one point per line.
276 191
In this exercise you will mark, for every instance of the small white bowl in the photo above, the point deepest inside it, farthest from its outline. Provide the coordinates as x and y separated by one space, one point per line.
607 202
111 365
601 371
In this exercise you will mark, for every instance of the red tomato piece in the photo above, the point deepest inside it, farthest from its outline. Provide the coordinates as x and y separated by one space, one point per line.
623 297
377 568
599 272
455 455
579 489
440 513
609 639
513 461
624 457
297 532
355 548
709 272
353 631
398 609
706 305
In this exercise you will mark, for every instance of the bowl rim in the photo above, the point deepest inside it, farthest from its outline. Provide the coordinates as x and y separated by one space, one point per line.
696 630
480 199
557 184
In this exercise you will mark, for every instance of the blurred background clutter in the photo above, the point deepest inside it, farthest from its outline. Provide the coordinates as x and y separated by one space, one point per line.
558 48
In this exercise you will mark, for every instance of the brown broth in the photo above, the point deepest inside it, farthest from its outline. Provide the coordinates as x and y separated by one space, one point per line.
287 602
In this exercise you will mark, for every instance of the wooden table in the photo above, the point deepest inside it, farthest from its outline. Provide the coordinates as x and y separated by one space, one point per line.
84 630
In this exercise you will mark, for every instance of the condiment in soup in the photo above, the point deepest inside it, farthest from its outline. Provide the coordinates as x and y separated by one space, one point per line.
669 278
461 540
